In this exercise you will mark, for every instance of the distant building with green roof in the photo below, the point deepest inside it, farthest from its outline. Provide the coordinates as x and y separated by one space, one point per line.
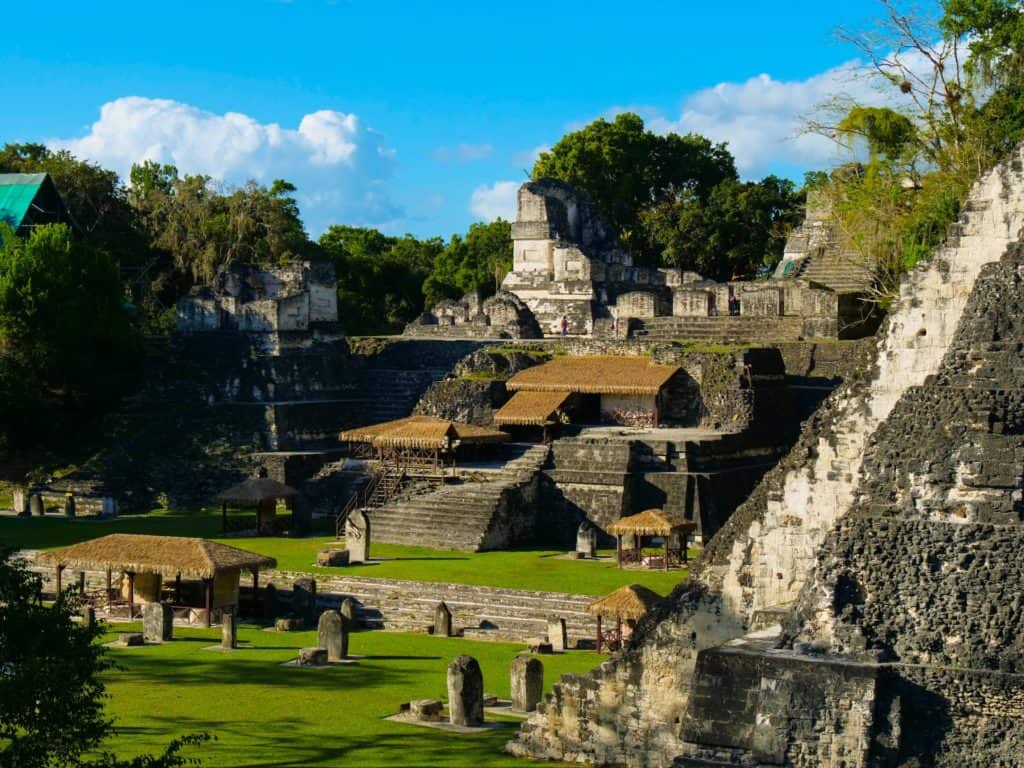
30 200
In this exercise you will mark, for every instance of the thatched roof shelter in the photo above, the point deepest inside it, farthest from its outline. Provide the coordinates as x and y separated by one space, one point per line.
650 522
422 432
254 491
165 555
626 603
595 374
532 409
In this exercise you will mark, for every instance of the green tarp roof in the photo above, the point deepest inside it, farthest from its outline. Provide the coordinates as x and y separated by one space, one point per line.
17 191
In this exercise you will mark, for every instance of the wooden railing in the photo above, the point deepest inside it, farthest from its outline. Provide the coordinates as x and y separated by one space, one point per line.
381 488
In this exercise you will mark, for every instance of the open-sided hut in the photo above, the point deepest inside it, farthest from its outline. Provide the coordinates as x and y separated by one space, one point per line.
534 411
626 604
423 443
651 522
144 562
260 493
631 391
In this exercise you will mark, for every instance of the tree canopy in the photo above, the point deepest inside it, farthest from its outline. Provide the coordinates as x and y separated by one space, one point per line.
476 262
66 337
626 169
51 694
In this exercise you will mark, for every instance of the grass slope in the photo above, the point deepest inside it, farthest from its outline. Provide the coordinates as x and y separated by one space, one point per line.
264 714
543 570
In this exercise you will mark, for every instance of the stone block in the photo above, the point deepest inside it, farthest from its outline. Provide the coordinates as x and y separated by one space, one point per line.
332 558
357 536
228 630
332 635
557 636
35 505
19 502
442 620
426 710
304 599
465 692
538 646
586 539
289 624
349 612
88 616
312 657
527 683
128 639
158 622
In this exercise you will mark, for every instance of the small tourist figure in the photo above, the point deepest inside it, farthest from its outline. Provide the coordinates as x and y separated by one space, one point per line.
734 304
565 326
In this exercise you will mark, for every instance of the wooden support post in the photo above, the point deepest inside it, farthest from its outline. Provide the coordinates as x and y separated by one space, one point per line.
618 549
208 600
177 589
81 582
618 630
131 595
60 570
599 638
109 588
666 552
255 593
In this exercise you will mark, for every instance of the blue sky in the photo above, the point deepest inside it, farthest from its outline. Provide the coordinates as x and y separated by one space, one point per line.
413 116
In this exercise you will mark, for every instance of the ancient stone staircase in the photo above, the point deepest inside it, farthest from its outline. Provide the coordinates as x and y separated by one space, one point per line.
842 272
460 515
723 328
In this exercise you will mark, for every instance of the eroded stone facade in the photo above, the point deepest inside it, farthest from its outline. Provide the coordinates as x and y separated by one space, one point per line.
931 529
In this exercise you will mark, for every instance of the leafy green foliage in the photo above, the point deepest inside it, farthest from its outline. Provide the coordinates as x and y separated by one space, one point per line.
994 30
65 337
738 231
202 229
94 195
476 262
379 277
51 694
626 169
887 132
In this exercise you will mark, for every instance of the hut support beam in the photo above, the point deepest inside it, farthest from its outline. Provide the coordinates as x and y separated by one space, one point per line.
131 595
599 638
60 570
109 588
255 593
208 600
177 589
618 550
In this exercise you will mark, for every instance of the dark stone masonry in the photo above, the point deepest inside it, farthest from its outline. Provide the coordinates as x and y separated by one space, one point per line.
865 606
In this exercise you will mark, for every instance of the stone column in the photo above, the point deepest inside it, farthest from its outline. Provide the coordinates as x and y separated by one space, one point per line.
20 502
442 621
228 630
557 635
304 600
158 622
357 536
332 635
527 683
349 612
465 692
35 504
69 505
88 616
586 539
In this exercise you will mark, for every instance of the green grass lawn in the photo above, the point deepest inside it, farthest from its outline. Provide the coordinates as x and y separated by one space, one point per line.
265 714
522 569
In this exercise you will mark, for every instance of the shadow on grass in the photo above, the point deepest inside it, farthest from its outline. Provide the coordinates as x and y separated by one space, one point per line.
282 743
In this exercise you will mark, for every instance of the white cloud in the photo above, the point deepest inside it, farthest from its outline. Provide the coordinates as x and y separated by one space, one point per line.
498 199
463 153
339 166
762 118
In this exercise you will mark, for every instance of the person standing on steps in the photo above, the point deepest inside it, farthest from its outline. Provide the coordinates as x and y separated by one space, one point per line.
565 326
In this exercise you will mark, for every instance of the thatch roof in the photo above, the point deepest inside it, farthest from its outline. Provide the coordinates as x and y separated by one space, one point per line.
168 555
255 490
421 432
630 602
650 522
532 408
595 374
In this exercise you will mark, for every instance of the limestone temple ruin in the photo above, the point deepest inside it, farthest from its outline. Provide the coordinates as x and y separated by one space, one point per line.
861 608
858 498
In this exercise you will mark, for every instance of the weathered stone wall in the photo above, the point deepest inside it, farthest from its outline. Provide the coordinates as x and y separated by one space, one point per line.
767 551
